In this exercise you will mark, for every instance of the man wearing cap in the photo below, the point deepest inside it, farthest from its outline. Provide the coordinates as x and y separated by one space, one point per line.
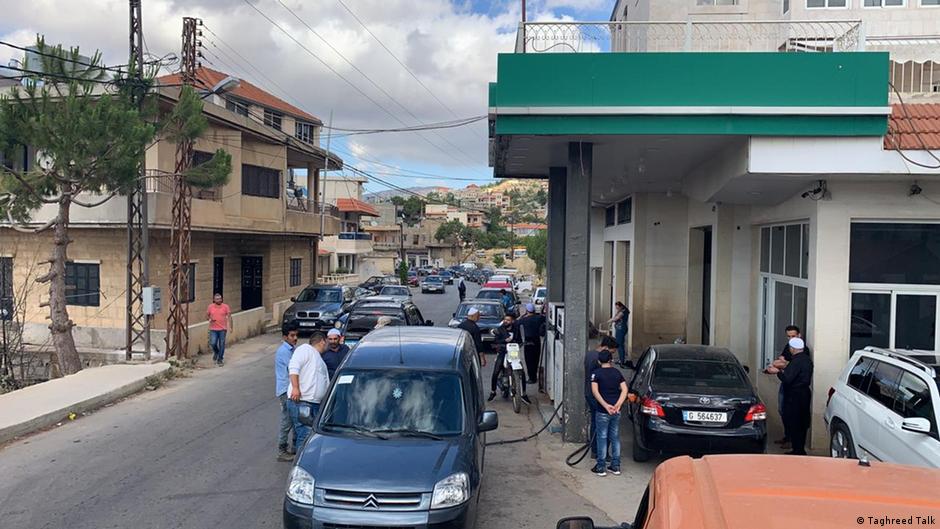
470 325
610 391
796 378
336 351
308 384
792 331
533 329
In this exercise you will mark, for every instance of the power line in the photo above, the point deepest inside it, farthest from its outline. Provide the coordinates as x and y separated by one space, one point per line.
399 61
335 72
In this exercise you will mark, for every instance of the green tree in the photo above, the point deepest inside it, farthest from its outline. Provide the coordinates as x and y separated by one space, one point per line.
412 208
536 247
90 143
403 272
498 261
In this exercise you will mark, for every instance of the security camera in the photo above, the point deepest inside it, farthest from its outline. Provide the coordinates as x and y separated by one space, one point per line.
915 190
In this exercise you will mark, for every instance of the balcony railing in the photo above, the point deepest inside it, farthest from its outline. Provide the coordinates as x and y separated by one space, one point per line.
643 36
355 236
309 206
385 245
162 183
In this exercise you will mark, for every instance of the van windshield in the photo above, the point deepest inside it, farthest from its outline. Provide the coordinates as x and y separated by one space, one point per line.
323 295
395 401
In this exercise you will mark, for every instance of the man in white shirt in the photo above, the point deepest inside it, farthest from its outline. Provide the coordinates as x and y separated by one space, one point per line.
309 381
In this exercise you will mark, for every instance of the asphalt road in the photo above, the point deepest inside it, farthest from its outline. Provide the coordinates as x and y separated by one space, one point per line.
200 452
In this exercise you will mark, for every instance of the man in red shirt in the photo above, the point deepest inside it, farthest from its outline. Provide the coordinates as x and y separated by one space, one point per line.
220 321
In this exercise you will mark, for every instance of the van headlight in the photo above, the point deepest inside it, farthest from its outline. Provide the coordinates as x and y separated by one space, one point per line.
451 491
300 486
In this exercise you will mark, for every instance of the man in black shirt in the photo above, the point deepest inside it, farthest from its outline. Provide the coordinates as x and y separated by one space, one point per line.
470 325
797 378
610 392
508 332
590 364
533 328
792 331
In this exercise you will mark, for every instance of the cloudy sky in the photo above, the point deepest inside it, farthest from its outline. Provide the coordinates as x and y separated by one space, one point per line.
450 46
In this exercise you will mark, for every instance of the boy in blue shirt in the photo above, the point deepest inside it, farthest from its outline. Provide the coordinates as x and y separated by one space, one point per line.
610 392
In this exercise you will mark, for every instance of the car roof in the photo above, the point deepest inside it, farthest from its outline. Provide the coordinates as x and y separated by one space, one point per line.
725 491
381 301
927 362
420 348
693 352
481 302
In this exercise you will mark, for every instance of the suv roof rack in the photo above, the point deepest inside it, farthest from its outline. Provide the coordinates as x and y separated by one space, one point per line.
903 358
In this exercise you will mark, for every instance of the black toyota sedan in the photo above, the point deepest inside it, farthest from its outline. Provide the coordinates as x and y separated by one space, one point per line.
400 438
694 398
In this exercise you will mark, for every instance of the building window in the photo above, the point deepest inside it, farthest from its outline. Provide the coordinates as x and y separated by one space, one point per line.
273 119
261 181
189 293
786 6
296 265
625 211
930 3
610 214
784 261
812 4
303 131
884 3
717 2
236 107
82 284
895 285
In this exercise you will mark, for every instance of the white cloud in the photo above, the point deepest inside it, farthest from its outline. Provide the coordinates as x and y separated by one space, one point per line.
451 49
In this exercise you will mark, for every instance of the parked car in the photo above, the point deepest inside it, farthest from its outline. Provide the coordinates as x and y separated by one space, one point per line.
413 279
407 413
886 405
496 294
396 291
694 398
796 491
318 307
491 315
433 283
377 282
498 285
522 287
448 277
538 298
366 313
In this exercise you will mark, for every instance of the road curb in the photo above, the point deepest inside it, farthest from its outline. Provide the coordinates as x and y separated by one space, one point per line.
51 418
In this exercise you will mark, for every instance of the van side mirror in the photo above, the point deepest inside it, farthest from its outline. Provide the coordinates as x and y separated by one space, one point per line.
916 425
293 300
579 522
489 422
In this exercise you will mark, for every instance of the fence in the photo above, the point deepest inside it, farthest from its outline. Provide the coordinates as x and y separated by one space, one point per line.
309 206
163 183
643 36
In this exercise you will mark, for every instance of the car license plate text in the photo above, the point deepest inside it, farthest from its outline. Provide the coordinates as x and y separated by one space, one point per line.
705 416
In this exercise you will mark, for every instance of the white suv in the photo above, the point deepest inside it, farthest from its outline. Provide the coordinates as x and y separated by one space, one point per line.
885 405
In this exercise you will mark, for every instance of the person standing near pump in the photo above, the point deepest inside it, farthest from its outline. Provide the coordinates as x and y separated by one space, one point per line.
220 323
461 289
508 332
470 325
336 351
797 377
610 391
282 388
620 321
308 384
533 329
592 362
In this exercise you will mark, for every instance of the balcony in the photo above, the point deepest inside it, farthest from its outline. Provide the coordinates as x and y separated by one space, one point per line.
304 205
355 236
386 245
349 242
164 184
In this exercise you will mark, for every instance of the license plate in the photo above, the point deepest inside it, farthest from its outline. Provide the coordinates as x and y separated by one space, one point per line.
705 416
308 324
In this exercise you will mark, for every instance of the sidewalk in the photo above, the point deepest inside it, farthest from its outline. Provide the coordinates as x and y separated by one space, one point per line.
42 405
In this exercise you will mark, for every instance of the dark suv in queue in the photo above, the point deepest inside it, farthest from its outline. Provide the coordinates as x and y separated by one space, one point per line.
366 312
318 307
399 440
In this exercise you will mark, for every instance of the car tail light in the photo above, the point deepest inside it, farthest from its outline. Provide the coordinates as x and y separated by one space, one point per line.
649 406
758 412
832 391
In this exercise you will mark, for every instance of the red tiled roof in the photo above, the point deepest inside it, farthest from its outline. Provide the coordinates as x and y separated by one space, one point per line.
916 130
207 78
529 226
352 205
321 251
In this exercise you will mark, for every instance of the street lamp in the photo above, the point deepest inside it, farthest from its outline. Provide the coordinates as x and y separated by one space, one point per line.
224 86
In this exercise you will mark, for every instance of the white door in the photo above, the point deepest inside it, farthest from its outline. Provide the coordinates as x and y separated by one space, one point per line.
913 399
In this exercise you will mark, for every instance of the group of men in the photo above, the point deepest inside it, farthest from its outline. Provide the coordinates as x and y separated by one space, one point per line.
527 332
302 376
794 368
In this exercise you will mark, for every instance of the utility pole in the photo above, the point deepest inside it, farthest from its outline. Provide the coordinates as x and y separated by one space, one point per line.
180 231
523 26
137 324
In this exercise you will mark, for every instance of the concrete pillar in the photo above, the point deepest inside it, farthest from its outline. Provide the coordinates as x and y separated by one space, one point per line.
555 269
577 270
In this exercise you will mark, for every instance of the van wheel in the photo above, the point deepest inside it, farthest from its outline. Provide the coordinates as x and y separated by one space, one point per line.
841 444
640 455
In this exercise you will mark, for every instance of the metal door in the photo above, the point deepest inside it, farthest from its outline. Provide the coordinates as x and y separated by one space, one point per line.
252 282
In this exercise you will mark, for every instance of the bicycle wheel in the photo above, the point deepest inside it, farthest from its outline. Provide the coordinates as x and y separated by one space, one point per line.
516 392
